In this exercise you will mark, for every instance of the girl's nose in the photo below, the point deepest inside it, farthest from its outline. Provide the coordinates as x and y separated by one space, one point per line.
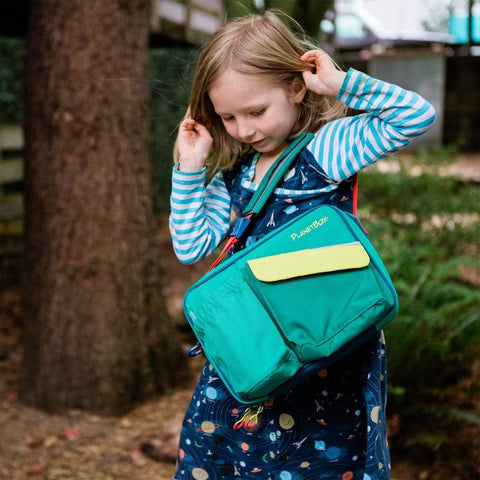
245 131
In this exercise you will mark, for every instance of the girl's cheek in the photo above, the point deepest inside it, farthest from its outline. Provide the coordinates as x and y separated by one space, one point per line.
230 130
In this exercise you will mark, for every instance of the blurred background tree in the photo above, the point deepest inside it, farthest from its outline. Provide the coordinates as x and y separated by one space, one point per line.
97 335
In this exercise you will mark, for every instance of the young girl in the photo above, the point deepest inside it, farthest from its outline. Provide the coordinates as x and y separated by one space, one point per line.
257 86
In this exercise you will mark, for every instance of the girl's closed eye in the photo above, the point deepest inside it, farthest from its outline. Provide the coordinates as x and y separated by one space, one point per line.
255 113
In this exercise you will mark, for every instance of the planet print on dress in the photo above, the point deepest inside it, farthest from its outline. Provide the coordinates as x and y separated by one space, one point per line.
290 209
286 421
332 453
235 214
208 427
320 445
374 414
211 393
199 474
284 445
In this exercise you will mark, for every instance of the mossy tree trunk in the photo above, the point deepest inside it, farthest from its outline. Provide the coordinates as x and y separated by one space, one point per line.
97 335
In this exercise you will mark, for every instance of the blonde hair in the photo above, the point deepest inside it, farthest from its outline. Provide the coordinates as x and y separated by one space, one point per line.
263 45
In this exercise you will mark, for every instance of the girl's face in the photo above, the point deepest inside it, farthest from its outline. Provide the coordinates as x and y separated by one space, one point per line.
255 110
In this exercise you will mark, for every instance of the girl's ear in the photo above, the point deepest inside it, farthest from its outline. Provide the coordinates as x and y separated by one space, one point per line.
298 89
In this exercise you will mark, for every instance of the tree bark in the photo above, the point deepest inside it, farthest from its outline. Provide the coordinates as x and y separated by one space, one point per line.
96 332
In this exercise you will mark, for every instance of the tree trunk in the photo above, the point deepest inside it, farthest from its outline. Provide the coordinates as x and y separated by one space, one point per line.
96 328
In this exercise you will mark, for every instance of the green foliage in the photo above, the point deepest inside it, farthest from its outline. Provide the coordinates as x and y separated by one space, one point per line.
423 196
438 155
306 12
12 54
426 229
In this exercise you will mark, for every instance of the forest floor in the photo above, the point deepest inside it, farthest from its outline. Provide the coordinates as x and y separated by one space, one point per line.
140 445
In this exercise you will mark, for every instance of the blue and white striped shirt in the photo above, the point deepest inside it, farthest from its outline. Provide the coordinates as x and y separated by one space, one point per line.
200 214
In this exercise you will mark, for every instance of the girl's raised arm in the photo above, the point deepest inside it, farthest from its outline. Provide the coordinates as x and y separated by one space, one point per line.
395 117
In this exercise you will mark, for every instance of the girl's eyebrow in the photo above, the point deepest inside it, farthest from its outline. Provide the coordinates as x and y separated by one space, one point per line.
248 108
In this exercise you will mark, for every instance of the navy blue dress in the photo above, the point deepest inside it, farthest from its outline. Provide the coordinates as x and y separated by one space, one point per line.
330 427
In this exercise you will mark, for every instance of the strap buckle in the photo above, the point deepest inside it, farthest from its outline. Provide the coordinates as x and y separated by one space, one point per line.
240 225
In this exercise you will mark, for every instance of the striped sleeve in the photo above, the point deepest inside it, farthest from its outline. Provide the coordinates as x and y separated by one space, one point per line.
199 214
394 118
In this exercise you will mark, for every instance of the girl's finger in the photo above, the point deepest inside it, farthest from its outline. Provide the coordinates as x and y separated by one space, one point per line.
307 77
190 124
311 55
315 56
187 124
201 129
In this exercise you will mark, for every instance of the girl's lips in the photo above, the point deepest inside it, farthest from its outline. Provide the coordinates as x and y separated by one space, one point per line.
257 144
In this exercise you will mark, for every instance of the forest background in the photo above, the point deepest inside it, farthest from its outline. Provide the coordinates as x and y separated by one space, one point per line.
421 209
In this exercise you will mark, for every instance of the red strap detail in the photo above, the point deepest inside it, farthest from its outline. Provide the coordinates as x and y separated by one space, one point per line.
228 245
355 196
355 200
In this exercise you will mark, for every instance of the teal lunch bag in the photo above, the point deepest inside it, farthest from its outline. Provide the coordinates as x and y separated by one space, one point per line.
292 303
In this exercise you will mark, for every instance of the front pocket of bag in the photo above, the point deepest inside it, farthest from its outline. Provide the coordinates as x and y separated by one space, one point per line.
319 313
242 342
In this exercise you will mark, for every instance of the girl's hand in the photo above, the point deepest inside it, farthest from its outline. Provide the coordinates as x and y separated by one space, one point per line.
325 79
194 143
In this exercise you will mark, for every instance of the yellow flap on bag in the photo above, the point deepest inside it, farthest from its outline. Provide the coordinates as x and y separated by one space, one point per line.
309 262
